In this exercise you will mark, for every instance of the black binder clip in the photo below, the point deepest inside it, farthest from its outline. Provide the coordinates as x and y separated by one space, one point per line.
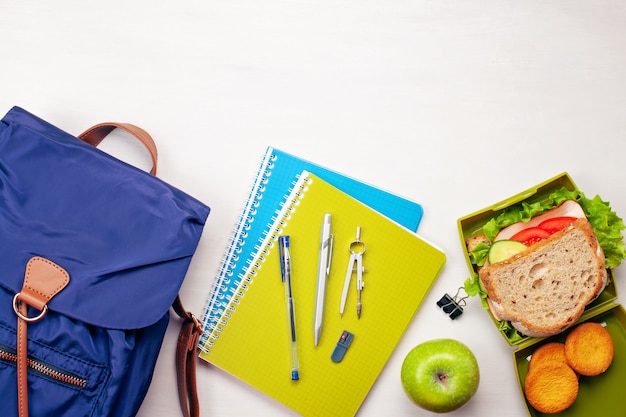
452 306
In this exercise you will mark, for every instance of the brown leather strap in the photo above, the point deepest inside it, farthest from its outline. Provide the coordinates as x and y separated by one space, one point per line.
95 134
22 363
186 354
43 280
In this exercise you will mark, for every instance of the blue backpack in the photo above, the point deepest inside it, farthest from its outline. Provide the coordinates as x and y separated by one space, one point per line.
93 252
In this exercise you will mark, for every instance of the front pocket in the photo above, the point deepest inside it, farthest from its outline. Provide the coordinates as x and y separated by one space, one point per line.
59 384
44 369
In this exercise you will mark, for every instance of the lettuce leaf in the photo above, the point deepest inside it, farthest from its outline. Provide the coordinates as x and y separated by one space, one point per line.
608 228
605 222
473 286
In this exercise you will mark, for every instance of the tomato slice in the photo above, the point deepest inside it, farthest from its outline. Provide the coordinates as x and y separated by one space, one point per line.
555 224
530 235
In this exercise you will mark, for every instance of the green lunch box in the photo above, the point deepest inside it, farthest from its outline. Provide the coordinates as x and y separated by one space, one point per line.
598 394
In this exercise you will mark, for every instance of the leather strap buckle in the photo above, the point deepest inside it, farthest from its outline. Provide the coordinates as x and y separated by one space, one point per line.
16 308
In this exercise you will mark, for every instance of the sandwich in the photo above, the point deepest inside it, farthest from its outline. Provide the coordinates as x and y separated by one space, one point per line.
539 265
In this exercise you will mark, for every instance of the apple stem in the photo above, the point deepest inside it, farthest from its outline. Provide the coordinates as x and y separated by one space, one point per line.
442 378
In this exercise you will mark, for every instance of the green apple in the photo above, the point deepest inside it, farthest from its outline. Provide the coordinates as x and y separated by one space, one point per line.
440 375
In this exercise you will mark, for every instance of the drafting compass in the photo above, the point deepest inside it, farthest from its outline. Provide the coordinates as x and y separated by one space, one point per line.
356 248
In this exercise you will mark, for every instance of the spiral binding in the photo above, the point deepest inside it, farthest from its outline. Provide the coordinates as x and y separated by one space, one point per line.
222 289
264 247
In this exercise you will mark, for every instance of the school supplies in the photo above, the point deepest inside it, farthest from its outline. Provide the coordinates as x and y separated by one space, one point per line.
271 185
250 344
355 265
453 306
285 273
342 346
323 270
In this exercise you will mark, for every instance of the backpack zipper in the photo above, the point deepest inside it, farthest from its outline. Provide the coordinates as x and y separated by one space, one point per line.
9 355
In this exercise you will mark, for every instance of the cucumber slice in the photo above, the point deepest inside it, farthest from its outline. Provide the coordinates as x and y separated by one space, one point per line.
504 249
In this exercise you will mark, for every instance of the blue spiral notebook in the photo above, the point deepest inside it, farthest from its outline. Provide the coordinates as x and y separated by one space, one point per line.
272 184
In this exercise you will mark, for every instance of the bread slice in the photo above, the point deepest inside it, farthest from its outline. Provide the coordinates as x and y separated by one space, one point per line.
544 289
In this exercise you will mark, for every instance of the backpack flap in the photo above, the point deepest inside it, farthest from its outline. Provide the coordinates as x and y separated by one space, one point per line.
126 238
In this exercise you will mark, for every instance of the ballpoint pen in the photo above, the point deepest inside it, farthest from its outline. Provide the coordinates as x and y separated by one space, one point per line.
323 270
285 272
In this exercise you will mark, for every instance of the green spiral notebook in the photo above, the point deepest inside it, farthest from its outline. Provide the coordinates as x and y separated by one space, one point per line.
252 342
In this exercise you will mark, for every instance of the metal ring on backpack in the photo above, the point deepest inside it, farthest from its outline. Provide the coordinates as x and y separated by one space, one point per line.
26 318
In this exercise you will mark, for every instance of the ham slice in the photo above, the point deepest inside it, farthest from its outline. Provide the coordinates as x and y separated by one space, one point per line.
568 208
